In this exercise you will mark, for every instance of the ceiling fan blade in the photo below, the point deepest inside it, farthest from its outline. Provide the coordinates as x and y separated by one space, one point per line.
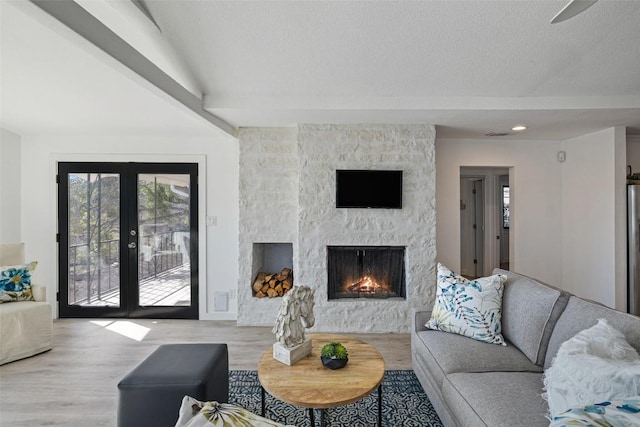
573 8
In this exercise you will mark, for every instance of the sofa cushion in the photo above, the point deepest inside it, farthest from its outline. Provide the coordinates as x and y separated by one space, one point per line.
25 330
530 310
496 399
472 308
582 314
446 353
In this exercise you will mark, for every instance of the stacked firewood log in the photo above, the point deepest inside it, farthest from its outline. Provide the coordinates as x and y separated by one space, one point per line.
273 285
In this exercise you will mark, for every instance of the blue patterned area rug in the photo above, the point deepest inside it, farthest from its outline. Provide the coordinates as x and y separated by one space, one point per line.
404 403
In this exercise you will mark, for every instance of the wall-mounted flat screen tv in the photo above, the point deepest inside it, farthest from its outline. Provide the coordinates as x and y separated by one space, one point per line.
381 189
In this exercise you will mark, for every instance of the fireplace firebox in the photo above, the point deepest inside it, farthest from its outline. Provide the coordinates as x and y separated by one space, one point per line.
366 272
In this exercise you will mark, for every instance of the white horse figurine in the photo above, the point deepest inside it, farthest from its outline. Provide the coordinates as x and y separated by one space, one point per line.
296 314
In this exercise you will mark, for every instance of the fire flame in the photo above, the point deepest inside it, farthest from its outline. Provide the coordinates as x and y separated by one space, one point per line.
367 285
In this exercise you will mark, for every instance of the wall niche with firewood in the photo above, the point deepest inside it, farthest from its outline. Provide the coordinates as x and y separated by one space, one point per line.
272 269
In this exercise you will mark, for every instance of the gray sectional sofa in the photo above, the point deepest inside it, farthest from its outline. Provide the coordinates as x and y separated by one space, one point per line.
471 383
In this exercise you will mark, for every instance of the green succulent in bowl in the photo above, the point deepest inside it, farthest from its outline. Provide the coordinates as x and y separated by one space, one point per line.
334 350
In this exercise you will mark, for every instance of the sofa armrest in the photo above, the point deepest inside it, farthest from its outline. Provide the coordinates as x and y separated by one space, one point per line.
419 318
39 292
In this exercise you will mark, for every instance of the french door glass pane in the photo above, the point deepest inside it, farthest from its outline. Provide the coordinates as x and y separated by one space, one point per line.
164 272
94 235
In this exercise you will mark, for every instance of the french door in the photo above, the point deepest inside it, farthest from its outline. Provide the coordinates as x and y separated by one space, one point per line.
128 240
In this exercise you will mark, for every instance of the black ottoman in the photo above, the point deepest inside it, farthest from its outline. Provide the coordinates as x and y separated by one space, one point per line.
151 394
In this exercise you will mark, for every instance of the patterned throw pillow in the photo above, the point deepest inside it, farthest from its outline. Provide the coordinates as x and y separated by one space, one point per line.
472 308
617 413
194 413
15 282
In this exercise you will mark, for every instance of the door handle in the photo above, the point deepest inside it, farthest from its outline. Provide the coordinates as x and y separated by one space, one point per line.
132 245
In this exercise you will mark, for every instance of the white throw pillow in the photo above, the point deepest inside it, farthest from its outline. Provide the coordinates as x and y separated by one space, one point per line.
472 308
596 365
602 340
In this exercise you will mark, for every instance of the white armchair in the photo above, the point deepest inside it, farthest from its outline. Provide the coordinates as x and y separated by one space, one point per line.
25 326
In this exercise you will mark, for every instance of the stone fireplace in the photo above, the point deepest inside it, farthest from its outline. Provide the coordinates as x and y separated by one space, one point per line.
288 194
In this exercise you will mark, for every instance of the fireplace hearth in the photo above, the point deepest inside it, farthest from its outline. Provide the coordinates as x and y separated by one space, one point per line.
366 272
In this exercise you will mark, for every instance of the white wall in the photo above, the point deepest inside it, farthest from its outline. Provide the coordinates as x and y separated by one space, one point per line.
594 219
10 218
220 187
535 184
592 251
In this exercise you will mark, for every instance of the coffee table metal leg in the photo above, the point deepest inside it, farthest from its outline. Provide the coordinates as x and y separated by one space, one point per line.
262 398
312 421
380 405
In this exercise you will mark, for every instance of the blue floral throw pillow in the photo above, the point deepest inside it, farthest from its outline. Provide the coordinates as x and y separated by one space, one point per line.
15 282
472 308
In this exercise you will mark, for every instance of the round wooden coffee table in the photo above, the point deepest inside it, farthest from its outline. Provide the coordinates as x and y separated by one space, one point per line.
308 384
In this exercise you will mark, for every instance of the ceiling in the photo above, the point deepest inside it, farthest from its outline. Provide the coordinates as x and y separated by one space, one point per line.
468 67
54 82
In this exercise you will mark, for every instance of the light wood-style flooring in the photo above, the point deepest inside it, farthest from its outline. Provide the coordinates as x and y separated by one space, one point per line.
75 384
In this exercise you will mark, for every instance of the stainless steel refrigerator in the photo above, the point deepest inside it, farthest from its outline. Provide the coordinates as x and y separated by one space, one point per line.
633 247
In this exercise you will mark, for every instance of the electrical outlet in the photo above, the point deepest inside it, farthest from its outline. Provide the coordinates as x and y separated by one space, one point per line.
212 221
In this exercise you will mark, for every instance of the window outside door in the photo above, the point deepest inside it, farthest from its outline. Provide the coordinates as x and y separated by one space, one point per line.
128 240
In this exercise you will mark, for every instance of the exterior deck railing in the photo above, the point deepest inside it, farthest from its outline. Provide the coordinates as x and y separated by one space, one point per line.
94 268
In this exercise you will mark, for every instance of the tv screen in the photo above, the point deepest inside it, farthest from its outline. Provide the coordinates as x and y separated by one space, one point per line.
380 189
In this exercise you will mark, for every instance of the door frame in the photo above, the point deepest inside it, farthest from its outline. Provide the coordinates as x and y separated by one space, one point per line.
492 188
200 159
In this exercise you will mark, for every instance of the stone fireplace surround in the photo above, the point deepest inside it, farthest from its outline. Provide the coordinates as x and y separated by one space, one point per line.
287 196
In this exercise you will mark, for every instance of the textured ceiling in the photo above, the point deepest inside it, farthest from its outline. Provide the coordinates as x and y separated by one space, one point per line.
405 49
469 67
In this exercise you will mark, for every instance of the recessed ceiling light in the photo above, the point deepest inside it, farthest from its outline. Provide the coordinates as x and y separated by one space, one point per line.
519 127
